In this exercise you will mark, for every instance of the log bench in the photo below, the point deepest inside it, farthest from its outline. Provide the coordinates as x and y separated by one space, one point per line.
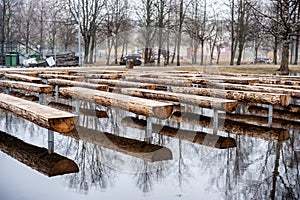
119 83
63 83
41 89
202 101
35 157
60 76
25 78
136 105
41 115
162 81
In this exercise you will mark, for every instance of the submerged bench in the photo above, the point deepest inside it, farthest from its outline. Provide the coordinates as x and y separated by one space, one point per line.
136 105
43 116
206 102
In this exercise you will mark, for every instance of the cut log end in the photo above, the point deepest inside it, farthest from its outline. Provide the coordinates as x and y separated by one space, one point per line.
64 166
230 106
163 113
64 125
285 100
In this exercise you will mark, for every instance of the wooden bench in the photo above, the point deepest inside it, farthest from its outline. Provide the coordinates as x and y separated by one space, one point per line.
58 76
68 83
35 157
25 78
100 76
41 89
162 81
248 96
44 116
206 102
119 83
136 105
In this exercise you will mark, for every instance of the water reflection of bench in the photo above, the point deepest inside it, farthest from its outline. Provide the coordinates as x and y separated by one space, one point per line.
136 148
41 89
235 127
35 157
136 105
202 138
44 116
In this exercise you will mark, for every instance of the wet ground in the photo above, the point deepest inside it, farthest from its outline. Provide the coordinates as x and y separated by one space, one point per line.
255 169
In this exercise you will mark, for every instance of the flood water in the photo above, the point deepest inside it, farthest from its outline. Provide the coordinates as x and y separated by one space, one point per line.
254 169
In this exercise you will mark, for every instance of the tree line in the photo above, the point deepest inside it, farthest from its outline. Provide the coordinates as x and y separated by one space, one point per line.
267 26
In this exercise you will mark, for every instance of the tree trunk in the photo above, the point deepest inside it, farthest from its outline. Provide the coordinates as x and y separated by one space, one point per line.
275 50
284 66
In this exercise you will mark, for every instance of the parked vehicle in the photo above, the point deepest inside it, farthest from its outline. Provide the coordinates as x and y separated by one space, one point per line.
134 57
262 60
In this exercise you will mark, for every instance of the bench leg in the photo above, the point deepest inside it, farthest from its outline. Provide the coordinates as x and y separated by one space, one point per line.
50 141
216 122
41 98
148 136
270 116
56 93
77 107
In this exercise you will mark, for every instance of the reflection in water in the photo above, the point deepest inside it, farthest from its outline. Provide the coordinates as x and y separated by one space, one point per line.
255 169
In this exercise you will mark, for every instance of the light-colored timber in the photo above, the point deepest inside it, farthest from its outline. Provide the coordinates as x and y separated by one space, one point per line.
202 138
133 104
119 83
29 87
282 114
35 157
162 81
238 128
84 111
100 76
58 76
20 77
206 102
44 116
63 83
248 96
26 73
136 148
292 87
228 86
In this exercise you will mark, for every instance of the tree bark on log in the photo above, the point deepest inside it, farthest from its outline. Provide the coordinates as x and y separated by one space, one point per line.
133 104
19 77
214 141
29 87
100 76
163 81
206 102
84 111
43 116
247 96
136 148
271 134
36 157
65 77
119 83
68 83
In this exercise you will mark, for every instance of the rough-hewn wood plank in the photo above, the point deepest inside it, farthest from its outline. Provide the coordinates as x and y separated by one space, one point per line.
228 86
58 76
44 116
202 138
133 104
206 102
162 81
100 76
20 77
119 83
84 111
68 83
136 148
248 96
292 87
29 87
272 134
36 157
